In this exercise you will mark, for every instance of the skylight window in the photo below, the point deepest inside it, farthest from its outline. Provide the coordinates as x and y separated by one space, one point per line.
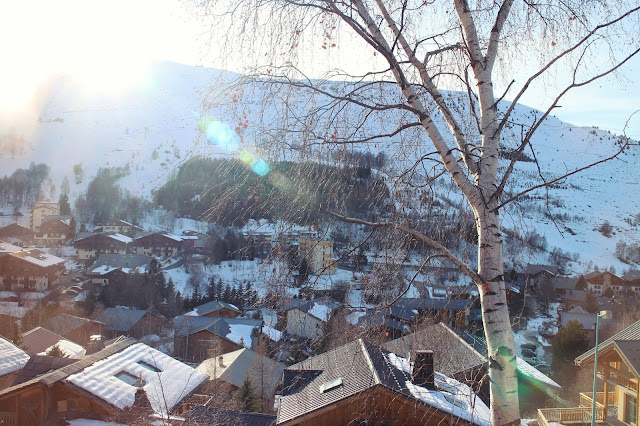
148 366
327 386
130 379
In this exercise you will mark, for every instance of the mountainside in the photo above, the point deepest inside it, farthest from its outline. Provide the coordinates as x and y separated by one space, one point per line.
153 130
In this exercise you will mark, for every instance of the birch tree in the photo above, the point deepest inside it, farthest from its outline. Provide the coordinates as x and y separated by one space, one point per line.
418 50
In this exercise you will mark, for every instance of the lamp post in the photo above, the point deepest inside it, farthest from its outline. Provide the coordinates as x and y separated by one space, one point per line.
604 315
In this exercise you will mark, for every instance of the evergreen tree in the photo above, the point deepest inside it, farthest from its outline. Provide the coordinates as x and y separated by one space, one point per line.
245 398
591 304
65 206
570 342
582 283
226 296
57 352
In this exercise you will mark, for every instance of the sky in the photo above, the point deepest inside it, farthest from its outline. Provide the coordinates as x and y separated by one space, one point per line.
109 45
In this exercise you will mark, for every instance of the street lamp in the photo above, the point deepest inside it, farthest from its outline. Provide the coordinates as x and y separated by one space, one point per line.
604 315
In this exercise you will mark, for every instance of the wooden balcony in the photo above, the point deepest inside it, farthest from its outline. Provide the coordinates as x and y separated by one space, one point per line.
8 419
612 406
565 416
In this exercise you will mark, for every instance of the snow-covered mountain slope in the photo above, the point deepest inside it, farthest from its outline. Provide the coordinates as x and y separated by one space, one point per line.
156 128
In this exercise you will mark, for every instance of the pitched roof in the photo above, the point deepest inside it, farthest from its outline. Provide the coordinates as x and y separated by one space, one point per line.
376 318
264 372
66 219
40 339
318 308
213 306
236 330
452 354
358 366
38 258
121 319
199 415
127 263
12 358
65 323
39 365
630 334
536 269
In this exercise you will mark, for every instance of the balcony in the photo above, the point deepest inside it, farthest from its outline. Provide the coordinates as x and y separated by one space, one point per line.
579 415
8 419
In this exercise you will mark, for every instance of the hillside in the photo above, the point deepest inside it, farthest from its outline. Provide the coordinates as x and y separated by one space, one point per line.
156 129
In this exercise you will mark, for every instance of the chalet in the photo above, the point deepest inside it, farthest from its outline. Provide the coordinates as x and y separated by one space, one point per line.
599 282
12 359
93 245
193 241
534 274
461 355
118 226
234 367
563 286
77 329
126 381
39 341
56 230
158 244
307 318
618 374
108 266
41 210
376 321
360 383
130 322
216 309
31 270
15 232
196 338
319 255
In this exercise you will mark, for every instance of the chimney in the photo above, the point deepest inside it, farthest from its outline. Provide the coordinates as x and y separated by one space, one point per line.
423 373
221 361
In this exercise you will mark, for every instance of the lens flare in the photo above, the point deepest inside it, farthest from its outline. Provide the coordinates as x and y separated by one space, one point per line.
260 167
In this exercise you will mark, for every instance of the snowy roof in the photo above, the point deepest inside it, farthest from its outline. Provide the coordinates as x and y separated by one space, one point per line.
238 365
272 333
213 306
13 309
40 340
536 269
121 319
66 219
6 248
353 368
318 308
166 381
113 235
237 330
12 358
127 263
68 349
38 257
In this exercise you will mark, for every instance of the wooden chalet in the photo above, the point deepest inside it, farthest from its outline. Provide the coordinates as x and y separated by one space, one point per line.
93 245
124 382
216 309
56 230
599 282
619 373
359 383
31 270
130 322
158 244
108 267
14 231
76 329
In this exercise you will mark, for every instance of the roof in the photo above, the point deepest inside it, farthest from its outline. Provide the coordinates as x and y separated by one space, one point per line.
96 374
66 219
631 333
156 235
603 276
376 318
238 365
320 309
121 319
6 248
127 263
38 258
65 323
236 330
452 354
111 235
39 365
536 269
12 358
358 366
566 283
199 415
40 340
213 306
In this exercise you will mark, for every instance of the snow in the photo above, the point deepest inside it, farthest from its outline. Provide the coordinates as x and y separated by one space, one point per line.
241 334
458 399
121 238
69 349
272 333
12 358
13 309
531 371
320 311
43 259
354 316
164 389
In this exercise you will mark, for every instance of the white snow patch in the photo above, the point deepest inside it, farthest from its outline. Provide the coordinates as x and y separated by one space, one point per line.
272 333
12 358
68 349
241 334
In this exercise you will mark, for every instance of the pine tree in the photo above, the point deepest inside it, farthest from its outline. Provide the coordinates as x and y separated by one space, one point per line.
245 398
57 352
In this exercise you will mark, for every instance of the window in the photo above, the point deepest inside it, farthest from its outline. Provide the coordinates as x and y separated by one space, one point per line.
630 409
130 379
148 366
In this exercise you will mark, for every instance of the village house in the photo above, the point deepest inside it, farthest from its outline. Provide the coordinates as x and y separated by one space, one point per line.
112 266
198 338
158 244
39 341
216 309
77 329
16 233
41 210
319 255
136 323
28 270
56 230
12 359
599 282
193 241
233 368
307 318
124 382
535 274
93 245
359 383
118 226
618 374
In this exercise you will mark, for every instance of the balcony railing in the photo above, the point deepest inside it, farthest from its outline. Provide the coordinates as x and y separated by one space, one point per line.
612 405
547 416
8 419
